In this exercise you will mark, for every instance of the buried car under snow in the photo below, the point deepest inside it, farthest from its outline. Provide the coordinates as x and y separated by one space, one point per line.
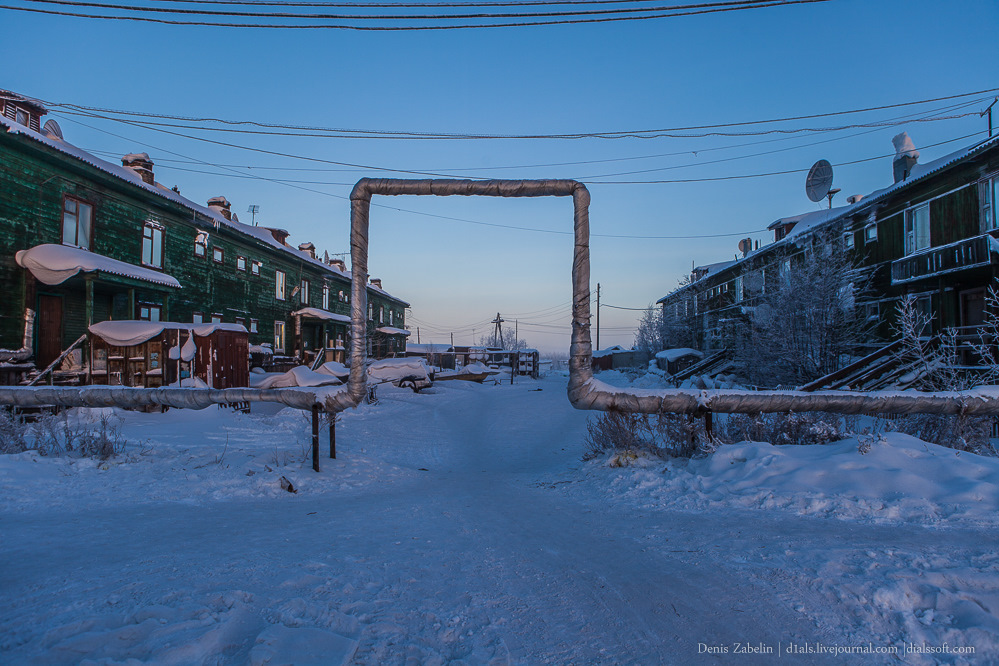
404 372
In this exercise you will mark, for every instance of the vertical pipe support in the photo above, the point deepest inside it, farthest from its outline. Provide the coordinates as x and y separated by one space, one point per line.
315 437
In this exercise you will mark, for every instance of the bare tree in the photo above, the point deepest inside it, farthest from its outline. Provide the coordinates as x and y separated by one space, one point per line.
804 325
668 327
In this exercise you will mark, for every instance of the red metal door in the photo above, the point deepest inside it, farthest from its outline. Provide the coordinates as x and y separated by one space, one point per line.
49 329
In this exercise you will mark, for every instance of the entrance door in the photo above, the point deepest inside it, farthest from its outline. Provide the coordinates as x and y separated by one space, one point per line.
49 329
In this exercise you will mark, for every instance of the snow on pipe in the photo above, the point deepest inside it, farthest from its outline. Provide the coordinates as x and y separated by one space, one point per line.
360 205
124 396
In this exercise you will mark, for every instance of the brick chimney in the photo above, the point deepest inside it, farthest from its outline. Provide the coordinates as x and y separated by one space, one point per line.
221 205
280 235
376 282
339 265
140 164
308 248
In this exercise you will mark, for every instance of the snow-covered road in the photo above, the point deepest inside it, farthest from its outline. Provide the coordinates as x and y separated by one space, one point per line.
457 526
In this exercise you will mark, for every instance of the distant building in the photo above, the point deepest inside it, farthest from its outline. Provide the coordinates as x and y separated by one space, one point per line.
83 240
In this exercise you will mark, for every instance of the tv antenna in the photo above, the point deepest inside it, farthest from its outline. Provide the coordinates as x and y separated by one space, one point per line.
818 184
253 210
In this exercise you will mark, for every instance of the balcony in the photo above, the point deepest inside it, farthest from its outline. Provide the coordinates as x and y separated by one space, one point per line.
959 256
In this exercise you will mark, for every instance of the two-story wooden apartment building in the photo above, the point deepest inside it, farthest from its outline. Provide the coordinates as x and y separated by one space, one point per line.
932 234
83 240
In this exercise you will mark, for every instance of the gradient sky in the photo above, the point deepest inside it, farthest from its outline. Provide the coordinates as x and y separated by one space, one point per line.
716 68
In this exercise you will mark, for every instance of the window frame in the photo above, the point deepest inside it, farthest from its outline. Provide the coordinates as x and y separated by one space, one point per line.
871 233
279 336
303 294
155 230
90 228
218 254
254 326
280 285
255 267
150 308
240 259
216 318
911 227
197 317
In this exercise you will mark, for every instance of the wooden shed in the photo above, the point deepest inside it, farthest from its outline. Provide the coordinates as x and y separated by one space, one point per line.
157 353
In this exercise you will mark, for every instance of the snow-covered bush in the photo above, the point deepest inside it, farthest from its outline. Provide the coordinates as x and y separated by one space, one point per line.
53 435
661 435
938 367
801 428
684 436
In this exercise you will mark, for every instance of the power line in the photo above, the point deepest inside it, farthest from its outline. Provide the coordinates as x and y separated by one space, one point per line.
745 4
669 132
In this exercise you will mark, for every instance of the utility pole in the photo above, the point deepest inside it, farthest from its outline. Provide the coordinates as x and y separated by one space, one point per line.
498 331
598 316
417 335
452 339
989 112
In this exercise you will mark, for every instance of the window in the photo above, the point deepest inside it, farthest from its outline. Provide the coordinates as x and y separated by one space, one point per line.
253 325
326 297
371 312
391 317
917 228
279 336
216 318
152 245
279 285
241 322
381 314
149 312
303 295
241 264
848 240
218 255
255 267
988 190
341 297
198 318
21 116
871 233
201 245
77 223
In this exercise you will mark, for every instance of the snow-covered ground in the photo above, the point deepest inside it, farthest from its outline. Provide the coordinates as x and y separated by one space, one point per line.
459 525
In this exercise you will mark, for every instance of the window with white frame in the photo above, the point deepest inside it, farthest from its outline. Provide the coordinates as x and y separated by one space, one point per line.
848 240
279 284
870 233
198 318
254 323
218 255
279 336
241 263
326 296
217 318
77 222
381 314
201 245
917 228
149 312
255 267
988 190
152 245
303 294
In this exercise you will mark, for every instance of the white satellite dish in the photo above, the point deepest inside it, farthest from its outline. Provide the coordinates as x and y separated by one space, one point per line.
51 128
820 178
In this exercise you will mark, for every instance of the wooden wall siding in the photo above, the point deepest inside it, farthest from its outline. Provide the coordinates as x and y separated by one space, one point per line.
955 216
33 181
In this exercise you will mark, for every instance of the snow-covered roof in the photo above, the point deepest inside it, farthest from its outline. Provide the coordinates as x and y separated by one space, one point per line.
391 330
54 264
608 351
322 314
129 332
131 177
709 269
678 353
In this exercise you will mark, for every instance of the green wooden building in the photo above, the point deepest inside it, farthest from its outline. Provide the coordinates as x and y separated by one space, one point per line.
932 234
83 240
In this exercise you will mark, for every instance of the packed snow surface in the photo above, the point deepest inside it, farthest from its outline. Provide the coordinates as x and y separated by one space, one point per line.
460 526
54 264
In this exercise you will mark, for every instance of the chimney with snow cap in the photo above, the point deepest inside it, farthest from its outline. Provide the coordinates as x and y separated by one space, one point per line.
140 164
308 248
221 205
280 235
376 282
906 157
339 264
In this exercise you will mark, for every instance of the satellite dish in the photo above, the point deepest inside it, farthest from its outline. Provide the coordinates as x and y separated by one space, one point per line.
820 178
52 129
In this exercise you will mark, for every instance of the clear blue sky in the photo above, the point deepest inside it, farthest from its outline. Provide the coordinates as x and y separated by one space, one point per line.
716 68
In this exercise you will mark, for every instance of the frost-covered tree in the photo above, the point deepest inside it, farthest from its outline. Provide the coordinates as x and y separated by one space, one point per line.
804 325
667 328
